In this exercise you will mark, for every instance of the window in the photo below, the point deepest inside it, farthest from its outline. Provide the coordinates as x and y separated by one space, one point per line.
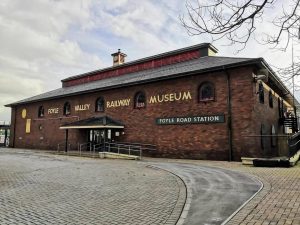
261 93
270 99
140 100
41 111
99 107
67 108
284 109
206 92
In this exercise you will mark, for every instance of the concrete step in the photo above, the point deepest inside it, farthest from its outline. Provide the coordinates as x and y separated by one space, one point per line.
272 162
111 155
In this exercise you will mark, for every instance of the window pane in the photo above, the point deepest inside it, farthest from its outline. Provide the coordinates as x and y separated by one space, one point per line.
206 92
100 105
67 108
270 99
261 93
140 100
41 111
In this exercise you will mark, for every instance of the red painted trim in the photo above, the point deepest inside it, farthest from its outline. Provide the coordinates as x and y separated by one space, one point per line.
135 68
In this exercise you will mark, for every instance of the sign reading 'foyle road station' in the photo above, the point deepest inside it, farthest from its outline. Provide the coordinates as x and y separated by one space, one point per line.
191 120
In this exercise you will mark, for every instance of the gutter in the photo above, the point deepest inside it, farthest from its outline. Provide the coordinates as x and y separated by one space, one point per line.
277 80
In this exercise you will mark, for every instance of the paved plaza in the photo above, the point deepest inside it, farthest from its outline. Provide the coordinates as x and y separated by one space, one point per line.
41 188
49 189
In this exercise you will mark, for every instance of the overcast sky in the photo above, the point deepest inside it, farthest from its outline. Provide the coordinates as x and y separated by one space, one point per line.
44 41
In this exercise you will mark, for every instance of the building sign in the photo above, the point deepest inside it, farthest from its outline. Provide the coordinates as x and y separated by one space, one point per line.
28 124
118 103
191 120
171 97
83 107
53 111
24 113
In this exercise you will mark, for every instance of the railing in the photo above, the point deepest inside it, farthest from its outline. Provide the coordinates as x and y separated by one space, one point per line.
266 146
294 144
84 146
63 144
289 122
116 147
143 147
99 146
121 148
129 148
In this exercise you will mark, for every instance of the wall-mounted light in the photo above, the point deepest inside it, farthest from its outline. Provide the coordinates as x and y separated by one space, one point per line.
260 77
261 74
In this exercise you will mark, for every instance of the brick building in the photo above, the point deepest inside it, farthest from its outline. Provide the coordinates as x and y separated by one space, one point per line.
189 103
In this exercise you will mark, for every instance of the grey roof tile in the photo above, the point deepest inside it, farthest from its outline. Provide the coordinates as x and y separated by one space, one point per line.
201 64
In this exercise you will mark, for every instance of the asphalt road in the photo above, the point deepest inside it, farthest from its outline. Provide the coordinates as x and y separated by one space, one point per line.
213 194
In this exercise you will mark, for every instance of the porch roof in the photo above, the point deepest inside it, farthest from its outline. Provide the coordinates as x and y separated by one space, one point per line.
94 123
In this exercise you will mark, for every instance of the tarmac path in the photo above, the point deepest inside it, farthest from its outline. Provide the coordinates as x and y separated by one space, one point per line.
213 194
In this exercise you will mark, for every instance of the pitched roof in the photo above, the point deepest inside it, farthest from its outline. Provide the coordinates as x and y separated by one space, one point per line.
200 65
147 59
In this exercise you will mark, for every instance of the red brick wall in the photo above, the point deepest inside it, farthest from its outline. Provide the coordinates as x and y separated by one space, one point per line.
264 114
199 141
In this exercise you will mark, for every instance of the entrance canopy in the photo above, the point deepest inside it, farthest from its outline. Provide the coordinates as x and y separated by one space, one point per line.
94 123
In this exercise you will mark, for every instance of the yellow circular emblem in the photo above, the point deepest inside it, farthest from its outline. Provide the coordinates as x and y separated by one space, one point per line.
24 113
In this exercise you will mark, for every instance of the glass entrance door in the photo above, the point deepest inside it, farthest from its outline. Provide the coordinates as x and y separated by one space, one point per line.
97 136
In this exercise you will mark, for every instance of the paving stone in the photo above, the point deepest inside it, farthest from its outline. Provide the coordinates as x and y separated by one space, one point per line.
48 189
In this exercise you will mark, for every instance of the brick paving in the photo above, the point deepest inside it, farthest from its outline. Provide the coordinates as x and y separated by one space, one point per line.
48 189
279 201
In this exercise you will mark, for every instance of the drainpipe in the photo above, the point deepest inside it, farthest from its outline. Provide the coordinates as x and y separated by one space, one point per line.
229 122
67 137
5 136
14 132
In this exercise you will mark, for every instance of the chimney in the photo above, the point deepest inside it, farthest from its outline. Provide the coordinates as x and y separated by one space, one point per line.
118 58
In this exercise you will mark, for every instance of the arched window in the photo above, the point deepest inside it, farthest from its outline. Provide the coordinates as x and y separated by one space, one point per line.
270 99
99 107
261 93
140 100
67 108
206 92
279 107
41 111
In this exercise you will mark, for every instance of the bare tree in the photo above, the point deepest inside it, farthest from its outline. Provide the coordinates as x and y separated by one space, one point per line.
239 20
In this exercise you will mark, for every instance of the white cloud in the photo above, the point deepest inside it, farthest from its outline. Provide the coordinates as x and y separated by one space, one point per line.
35 51
45 41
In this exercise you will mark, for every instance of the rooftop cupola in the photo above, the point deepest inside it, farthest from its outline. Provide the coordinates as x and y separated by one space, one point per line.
118 58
